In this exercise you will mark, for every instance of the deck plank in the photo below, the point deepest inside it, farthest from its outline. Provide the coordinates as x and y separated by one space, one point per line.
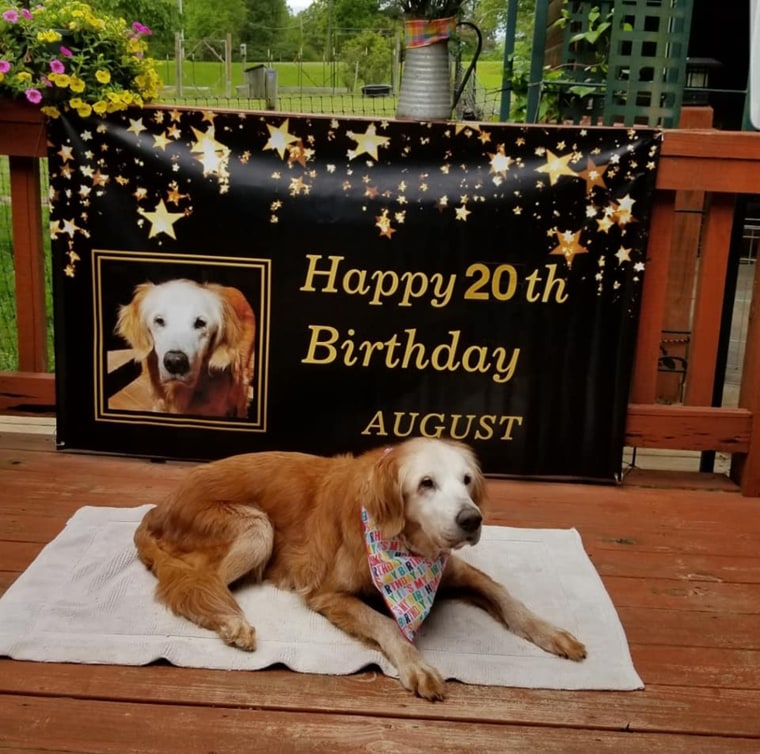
660 709
85 725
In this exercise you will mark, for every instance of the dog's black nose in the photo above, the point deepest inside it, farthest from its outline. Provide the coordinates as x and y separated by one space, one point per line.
176 362
469 520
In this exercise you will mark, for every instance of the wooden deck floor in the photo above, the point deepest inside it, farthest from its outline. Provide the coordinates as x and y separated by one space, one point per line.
682 567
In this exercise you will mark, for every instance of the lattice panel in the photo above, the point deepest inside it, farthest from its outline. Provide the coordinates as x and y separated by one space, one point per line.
647 64
576 57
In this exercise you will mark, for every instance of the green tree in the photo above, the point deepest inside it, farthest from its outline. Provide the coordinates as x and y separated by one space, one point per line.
368 56
160 16
213 20
265 29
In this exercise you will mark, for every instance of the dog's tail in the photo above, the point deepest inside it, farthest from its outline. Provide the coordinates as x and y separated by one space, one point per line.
191 587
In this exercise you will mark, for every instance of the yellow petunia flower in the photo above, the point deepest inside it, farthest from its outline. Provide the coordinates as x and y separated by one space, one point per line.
102 76
48 36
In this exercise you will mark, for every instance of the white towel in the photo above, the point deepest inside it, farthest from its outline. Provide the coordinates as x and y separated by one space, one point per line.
87 599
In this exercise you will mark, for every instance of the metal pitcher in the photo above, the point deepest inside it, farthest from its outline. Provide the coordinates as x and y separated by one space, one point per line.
425 92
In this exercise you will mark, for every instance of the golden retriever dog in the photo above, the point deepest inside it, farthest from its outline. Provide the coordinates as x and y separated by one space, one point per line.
296 520
196 344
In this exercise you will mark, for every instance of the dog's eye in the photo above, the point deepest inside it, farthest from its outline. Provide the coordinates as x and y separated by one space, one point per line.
199 323
467 480
159 321
426 483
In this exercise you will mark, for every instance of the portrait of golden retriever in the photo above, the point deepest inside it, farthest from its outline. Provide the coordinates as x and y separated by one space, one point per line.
195 342
295 520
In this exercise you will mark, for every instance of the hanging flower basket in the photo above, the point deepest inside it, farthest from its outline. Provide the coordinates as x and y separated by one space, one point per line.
65 56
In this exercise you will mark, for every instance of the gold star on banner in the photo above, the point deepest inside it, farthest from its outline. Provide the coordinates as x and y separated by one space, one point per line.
556 166
623 255
569 245
173 132
70 227
279 138
484 137
500 162
122 180
383 223
593 175
368 142
161 220
140 193
604 224
623 214
55 228
208 117
136 126
297 186
210 153
65 153
297 153
160 141
175 115
460 126
99 179
462 213
174 195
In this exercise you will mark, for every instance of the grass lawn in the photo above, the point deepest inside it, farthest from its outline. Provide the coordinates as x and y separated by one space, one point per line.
208 77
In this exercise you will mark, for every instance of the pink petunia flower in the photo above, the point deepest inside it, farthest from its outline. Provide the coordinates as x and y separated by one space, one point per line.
11 16
65 51
5 66
46 81
27 14
56 66
141 28
34 96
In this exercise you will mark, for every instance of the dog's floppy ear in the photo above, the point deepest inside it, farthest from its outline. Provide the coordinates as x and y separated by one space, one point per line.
384 498
478 484
478 488
235 330
130 324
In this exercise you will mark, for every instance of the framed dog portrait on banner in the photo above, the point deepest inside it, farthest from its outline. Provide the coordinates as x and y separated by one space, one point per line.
237 281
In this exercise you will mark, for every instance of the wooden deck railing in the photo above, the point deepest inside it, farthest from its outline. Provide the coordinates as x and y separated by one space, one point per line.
721 164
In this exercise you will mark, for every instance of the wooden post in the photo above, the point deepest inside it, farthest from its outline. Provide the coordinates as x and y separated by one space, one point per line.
687 228
745 468
28 254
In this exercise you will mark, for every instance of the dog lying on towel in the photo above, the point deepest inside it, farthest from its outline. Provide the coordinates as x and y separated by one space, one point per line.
335 530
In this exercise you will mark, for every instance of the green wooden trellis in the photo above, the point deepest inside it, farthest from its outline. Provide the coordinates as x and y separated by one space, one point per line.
580 64
646 71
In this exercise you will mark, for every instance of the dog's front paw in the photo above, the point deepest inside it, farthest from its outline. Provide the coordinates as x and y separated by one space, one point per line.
559 642
423 680
239 633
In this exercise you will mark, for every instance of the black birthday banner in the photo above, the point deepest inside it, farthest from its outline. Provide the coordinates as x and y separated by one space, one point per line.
233 281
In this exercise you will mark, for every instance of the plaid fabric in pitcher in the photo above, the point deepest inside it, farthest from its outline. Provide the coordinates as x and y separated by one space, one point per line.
421 32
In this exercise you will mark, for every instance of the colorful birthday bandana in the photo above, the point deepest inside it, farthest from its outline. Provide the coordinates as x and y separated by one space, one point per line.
407 581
